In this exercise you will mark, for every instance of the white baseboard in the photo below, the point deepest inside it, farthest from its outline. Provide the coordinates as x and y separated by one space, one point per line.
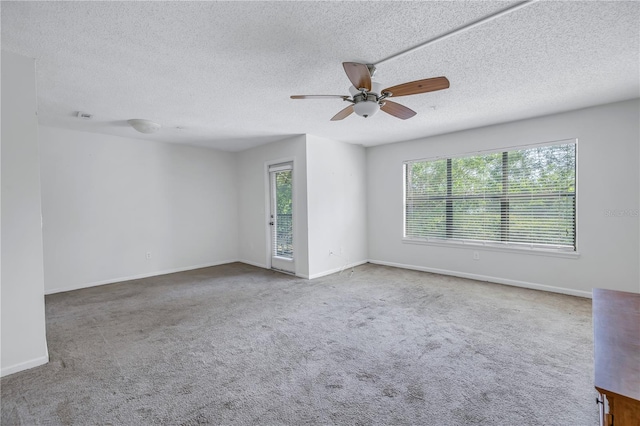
516 283
256 264
341 268
311 277
264 266
137 277
497 280
26 365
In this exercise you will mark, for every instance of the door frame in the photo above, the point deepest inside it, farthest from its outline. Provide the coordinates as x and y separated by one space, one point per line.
267 210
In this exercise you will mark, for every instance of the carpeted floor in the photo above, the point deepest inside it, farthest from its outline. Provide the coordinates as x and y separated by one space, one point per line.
235 344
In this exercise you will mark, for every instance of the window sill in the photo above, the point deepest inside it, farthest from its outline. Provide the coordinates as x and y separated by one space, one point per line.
472 245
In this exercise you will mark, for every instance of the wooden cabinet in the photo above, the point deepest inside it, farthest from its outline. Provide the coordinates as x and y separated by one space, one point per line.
616 340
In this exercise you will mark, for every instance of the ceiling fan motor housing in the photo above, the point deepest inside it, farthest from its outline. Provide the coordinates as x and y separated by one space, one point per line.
366 103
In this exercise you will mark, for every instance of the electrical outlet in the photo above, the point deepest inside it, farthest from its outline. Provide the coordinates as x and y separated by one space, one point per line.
148 255
476 255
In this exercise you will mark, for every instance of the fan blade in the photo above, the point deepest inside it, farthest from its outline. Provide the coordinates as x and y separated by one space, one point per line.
343 114
358 74
397 110
319 97
418 86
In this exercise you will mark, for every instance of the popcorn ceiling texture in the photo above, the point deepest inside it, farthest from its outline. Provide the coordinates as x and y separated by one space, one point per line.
224 71
235 344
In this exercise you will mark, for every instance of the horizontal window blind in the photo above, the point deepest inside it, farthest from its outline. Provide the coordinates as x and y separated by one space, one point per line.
524 196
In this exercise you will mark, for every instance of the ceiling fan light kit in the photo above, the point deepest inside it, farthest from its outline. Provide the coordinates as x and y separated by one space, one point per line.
368 97
366 108
144 126
366 104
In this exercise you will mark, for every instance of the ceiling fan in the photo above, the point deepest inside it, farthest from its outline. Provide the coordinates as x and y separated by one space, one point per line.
367 97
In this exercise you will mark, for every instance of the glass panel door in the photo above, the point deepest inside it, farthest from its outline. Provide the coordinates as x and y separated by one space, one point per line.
281 217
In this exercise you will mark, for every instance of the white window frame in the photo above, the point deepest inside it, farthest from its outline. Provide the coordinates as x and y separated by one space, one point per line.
529 248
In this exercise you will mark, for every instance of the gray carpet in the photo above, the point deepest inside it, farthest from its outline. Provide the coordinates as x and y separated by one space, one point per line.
235 344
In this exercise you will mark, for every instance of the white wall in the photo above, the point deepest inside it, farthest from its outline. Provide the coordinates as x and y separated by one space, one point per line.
22 287
336 197
253 201
608 180
108 200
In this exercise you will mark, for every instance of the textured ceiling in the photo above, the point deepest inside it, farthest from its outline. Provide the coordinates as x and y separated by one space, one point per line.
220 74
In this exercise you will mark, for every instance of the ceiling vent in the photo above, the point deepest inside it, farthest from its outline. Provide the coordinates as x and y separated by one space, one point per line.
84 115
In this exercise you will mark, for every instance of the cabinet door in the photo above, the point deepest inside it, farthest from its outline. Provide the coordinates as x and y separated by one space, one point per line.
626 411
621 411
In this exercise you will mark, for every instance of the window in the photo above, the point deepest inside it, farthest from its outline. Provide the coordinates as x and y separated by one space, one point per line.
524 197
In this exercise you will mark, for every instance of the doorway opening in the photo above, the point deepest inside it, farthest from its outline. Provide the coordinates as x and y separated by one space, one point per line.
281 217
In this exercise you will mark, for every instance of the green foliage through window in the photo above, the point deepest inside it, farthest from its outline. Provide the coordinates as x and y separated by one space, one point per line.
524 197
283 219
